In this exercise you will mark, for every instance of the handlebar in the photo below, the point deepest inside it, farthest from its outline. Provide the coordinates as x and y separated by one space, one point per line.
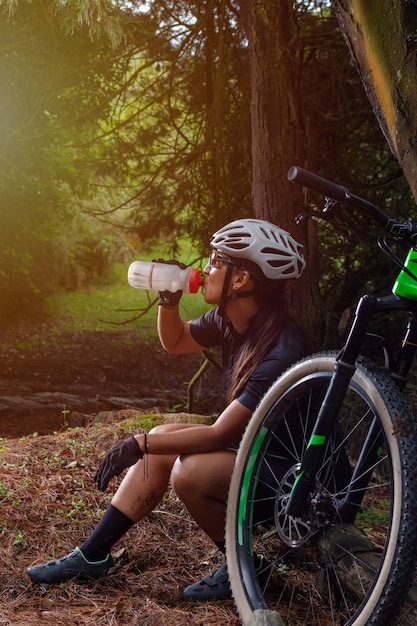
317 183
342 194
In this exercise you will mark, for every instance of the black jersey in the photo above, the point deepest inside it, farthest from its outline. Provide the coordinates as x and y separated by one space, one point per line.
212 329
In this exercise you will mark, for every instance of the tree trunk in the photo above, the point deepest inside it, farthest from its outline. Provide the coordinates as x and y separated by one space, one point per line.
278 136
382 37
276 127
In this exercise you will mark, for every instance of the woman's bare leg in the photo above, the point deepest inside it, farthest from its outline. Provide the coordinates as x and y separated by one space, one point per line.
201 481
145 483
137 495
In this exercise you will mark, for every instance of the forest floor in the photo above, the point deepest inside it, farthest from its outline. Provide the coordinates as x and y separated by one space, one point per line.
64 400
50 379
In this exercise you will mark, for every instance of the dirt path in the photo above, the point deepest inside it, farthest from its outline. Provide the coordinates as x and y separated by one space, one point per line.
50 380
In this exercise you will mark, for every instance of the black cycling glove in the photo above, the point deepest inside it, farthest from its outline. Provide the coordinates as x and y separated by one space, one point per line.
169 298
122 455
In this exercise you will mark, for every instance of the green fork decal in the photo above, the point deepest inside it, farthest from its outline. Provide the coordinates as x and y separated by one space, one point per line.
316 440
247 478
297 478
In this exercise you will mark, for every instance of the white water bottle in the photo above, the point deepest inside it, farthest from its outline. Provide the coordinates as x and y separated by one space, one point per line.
164 277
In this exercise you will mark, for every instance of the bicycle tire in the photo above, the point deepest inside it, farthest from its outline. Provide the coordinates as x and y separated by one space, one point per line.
305 582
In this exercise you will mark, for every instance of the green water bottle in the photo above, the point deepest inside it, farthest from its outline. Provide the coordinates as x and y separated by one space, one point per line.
405 285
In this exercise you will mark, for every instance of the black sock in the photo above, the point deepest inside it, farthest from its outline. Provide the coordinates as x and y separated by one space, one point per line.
221 545
110 529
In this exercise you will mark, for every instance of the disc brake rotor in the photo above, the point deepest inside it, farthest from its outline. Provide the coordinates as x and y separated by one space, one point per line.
293 531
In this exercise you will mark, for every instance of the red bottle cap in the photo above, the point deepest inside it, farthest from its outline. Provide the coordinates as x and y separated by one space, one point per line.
195 281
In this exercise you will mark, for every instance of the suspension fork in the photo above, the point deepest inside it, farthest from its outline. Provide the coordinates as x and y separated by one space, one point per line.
344 369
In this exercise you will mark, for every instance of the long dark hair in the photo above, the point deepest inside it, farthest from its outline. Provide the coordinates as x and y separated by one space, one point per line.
264 329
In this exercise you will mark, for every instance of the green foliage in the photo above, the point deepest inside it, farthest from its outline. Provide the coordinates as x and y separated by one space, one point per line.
55 88
135 118
122 129
180 135
113 305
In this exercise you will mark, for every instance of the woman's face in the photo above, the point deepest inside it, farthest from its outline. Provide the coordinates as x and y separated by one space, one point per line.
215 273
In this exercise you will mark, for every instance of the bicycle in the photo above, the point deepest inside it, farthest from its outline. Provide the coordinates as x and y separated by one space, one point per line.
325 479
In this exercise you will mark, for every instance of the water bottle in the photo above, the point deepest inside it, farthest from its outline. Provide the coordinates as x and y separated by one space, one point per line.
164 276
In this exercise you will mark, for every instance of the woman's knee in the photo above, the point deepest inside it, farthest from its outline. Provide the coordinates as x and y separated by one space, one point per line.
169 428
198 475
163 429
184 476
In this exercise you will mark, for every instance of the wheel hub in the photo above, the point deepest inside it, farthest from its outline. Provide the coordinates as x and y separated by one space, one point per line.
293 531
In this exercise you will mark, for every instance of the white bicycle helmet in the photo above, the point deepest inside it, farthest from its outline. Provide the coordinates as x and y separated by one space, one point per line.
271 248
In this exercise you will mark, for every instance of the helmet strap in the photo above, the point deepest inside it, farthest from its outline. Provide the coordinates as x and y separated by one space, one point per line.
225 298
240 294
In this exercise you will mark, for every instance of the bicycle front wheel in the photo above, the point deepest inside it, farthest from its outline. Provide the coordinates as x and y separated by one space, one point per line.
350 558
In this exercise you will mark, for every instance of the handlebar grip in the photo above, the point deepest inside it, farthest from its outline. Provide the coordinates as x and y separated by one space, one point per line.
312 181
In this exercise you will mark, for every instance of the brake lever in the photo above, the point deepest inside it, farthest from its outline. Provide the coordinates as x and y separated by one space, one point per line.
324 214
306 215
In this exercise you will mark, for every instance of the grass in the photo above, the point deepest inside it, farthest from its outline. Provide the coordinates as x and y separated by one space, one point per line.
116 305
110 305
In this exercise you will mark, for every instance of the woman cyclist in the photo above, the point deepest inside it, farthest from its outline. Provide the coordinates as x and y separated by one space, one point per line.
250 263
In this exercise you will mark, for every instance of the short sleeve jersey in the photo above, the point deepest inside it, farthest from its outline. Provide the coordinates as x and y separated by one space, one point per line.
212 329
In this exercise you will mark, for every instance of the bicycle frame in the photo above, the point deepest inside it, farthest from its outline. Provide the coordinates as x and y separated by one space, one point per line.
368 307
324 478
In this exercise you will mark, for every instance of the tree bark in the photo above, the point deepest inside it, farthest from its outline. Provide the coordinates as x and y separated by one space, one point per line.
382 37
278 137
276 127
